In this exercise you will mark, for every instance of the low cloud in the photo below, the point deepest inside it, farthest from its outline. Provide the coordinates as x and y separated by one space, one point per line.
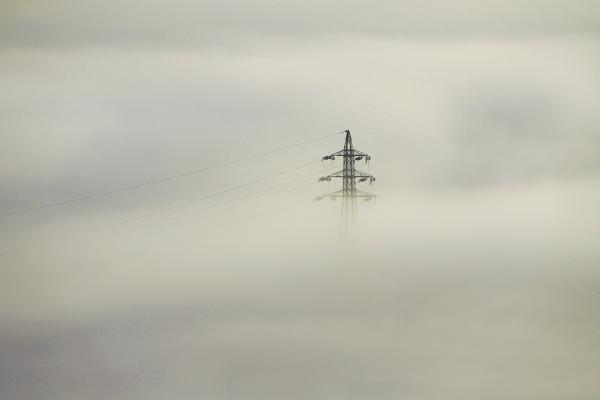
187 23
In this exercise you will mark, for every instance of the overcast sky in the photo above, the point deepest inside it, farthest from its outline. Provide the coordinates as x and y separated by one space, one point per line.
473 276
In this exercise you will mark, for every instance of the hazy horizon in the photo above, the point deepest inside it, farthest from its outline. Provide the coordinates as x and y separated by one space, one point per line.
474 274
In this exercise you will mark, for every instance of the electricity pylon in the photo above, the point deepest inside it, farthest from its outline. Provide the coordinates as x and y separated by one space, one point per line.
349 174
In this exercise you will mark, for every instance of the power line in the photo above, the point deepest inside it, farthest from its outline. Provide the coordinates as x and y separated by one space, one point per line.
245 196
163 179
275 187
209 196
300 186
192 202
228 201
312 182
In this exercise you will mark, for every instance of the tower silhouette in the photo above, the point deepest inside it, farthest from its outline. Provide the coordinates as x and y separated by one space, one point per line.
350 175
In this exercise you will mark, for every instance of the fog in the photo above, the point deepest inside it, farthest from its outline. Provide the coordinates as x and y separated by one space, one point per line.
472 275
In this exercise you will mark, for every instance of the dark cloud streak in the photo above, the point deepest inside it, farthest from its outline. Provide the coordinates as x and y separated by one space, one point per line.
215 23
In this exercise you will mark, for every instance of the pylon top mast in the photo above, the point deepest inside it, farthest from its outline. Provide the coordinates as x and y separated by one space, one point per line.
349 173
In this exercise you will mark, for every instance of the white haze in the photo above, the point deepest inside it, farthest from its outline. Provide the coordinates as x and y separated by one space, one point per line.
473 275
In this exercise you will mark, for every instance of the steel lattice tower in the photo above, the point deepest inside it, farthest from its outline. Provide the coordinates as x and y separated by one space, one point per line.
349 175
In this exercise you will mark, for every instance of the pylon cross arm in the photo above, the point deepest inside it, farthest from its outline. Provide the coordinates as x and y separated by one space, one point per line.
342 193
349 153
356 174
